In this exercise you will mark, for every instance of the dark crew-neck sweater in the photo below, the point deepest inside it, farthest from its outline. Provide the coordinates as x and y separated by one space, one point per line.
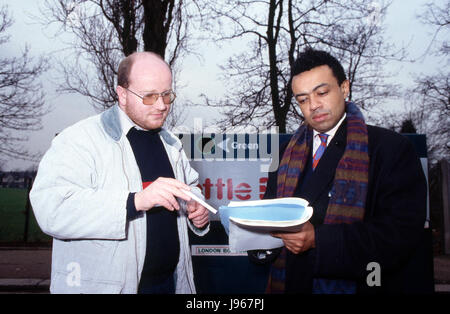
163 245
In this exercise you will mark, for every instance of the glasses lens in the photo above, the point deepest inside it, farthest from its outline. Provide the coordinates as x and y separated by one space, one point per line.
168 97
150 99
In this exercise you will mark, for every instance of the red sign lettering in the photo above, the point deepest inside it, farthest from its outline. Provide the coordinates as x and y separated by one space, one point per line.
228 191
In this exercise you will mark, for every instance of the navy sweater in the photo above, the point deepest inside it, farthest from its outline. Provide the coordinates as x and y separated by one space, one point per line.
163 246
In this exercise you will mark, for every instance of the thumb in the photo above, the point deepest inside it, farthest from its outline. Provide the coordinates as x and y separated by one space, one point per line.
276 235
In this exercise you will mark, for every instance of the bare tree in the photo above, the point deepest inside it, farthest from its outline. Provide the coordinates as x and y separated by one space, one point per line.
277 30
431 112
429 98
22 103
427 107
108 30
438 16
360 45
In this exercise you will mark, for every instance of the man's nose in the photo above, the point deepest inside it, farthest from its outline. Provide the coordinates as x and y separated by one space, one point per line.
159 104
314 103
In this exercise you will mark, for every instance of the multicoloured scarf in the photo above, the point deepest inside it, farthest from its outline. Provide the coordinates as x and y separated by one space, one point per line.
349 190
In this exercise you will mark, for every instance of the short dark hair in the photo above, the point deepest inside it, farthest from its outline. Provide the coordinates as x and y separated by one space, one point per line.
311 58
124 71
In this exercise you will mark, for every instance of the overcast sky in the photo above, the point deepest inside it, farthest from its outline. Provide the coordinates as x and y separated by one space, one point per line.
196 76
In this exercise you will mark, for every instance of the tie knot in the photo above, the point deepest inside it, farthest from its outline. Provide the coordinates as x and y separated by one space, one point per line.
323 137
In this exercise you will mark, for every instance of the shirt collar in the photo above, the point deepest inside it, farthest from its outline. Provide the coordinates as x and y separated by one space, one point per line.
333 131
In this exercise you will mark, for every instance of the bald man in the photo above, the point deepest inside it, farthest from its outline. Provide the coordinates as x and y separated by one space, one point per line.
110 193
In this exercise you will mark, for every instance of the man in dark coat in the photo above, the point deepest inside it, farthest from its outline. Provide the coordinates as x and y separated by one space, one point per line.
367 189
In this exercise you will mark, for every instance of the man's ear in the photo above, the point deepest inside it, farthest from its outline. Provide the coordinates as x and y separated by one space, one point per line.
121 95
345 88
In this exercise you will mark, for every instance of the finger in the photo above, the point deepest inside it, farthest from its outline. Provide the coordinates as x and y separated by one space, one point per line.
200 223
166 204
179 193
169 200
293 250
176 183
204 217
175 191
198 212
290 235
276 235
201 220
173 186
191 206
296 247
281 235
291 246
204 221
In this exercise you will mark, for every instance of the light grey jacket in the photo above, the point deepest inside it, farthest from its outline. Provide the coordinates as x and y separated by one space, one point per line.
79 198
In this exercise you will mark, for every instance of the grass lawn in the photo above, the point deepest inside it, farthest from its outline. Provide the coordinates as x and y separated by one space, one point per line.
12 218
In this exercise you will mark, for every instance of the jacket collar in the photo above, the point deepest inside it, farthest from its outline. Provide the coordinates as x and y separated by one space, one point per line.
111 123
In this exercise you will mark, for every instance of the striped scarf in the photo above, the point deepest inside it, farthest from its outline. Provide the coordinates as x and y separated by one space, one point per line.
349 190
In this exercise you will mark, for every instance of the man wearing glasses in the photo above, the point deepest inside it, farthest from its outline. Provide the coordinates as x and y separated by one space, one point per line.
110 192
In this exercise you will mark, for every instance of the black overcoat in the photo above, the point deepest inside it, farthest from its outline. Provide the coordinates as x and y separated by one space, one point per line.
391 234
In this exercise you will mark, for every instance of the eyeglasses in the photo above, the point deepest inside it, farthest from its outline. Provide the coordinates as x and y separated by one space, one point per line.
149 99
